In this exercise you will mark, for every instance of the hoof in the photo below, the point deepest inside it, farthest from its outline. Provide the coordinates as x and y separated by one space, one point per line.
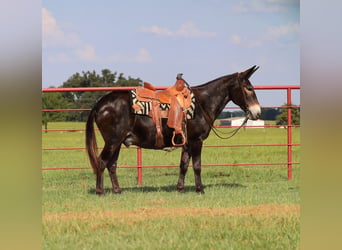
180 188
100 193
117 191
199 190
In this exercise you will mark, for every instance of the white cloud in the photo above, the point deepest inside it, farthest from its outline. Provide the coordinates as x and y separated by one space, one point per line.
53 34
238 40
143 56
276 32
61 57
273 34
73 49
156 30
86 53
187 29
268 6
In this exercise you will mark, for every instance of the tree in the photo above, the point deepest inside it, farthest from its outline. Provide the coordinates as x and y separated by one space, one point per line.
281 119
53 100
269 113
84 99
230 114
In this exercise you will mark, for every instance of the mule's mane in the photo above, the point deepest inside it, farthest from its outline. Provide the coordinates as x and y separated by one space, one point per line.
222 78
214 95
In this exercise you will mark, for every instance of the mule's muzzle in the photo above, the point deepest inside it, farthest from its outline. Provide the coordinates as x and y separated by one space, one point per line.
254 112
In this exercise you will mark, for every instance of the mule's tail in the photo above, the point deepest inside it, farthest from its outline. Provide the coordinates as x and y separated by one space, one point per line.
91 144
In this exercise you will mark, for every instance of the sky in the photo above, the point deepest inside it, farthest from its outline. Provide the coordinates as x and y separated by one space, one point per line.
203 39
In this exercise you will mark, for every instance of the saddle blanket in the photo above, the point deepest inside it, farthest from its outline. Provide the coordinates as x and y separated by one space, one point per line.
146 107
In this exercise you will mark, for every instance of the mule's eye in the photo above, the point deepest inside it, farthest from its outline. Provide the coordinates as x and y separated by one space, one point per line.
249 88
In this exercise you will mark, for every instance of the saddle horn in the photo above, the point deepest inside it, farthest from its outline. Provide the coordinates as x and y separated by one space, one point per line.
180 77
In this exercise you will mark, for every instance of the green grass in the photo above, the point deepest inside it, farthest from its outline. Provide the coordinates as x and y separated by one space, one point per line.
155 216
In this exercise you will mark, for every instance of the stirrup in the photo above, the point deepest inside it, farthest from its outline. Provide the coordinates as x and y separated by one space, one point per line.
183 139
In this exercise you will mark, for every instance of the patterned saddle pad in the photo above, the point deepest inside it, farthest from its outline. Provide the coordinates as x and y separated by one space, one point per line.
146 107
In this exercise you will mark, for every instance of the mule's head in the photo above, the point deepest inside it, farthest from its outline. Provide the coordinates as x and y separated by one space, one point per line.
244 96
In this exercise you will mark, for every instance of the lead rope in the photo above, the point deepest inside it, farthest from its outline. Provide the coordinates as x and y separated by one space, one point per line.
216 131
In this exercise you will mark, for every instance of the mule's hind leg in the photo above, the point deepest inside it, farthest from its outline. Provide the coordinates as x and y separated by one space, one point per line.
196 151
112 171
99 179
109 156
184 163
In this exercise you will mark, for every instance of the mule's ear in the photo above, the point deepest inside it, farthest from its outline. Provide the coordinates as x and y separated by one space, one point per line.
249 72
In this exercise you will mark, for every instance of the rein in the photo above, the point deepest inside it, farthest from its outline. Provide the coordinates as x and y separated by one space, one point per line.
215 130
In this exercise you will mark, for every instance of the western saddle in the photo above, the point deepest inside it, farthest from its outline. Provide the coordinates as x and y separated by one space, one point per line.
178 96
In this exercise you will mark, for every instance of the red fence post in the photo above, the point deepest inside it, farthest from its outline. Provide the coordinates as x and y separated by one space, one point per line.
289 135
139 165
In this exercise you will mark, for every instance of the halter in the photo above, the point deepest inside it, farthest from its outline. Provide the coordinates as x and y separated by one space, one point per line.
217 131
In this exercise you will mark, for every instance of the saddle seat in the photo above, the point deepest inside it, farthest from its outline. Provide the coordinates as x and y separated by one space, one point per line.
149 92
178 96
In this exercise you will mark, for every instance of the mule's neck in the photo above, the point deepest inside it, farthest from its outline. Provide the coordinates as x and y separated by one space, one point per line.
214 96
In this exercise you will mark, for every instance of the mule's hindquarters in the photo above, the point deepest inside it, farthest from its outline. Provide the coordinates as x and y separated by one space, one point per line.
112 116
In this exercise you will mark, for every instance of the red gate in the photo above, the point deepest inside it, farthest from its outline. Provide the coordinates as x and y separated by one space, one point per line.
140 165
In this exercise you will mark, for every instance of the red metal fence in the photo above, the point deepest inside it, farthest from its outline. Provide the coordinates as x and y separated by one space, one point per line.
140 166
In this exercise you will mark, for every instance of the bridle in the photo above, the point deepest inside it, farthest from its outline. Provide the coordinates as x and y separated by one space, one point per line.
216 131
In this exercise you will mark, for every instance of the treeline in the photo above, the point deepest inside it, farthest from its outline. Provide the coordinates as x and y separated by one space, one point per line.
83 99
266 114
279 115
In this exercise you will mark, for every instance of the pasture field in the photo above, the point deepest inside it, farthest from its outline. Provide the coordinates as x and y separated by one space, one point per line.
244 207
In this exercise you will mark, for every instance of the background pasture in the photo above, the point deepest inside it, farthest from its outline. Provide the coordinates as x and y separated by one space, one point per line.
244 207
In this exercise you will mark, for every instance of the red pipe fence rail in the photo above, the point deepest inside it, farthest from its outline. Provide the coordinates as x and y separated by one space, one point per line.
140 165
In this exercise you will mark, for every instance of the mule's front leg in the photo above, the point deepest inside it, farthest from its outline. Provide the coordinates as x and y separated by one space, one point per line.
184 163
196 151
